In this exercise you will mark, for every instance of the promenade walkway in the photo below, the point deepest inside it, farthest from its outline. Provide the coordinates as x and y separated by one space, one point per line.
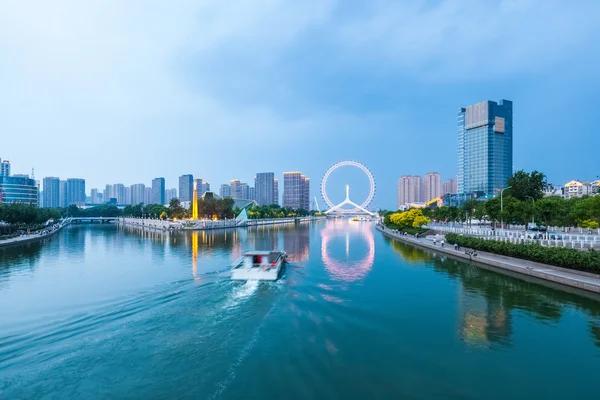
44 233
579 279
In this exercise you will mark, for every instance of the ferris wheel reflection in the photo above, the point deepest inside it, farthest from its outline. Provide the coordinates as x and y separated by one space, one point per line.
348 271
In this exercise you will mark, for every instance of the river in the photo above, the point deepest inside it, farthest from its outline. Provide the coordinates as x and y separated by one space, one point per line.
116 312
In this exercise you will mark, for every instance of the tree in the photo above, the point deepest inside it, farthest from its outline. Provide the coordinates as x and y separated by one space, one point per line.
526 185
412 218
176 210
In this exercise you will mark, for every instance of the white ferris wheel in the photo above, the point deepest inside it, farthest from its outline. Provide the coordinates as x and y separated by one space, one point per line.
339 208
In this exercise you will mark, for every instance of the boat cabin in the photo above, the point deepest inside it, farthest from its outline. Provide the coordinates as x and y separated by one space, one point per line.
261 259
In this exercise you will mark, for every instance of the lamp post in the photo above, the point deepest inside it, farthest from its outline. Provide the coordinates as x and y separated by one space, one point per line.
502 207
533 212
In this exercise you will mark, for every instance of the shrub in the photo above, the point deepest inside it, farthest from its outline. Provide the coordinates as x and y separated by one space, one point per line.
558 256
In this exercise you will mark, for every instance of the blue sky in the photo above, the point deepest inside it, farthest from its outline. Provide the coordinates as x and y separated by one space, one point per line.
124 91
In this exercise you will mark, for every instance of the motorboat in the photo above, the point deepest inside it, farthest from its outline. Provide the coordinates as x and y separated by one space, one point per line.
259 265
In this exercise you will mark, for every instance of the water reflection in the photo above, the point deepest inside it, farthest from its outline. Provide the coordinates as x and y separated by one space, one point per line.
349 270
488 300
296 243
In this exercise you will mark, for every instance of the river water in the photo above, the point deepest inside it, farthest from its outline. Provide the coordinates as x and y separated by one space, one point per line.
110 312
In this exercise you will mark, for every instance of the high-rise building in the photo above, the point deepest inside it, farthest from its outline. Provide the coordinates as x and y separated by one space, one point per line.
119 193
276 191
485 146
109 194
264 184
5 168
95 199
244 191
127 195
51 197
63 194
148 196
449 187
235 189
138 193
205 187
296 190
171 194
75 191
432 186
158 191
18 189
225 190
251 193
409 190
186 187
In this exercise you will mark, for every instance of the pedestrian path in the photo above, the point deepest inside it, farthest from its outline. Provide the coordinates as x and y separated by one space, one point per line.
34 236
579 279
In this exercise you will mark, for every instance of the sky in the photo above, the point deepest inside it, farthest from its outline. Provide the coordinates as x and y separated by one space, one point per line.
124 91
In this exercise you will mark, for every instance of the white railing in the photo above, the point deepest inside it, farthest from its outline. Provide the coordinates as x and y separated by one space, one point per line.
553 239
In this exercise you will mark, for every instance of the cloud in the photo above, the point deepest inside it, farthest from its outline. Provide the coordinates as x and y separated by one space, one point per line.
470 39
200 78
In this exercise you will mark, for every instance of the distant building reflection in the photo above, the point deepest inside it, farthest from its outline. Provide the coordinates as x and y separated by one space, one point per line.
487 300
263 238
351 270
296 243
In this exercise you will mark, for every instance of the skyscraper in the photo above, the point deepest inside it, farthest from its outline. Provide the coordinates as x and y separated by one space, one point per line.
119 193
127 195
158 191
109 193
75 191
148 195
5 168
296 190
235 188
251 193
51 192
94 196
63 194
204 188
138 192
276 191
449 187
264 184
171 194
244 191
186 187
485 146
225 190
409 190
432 186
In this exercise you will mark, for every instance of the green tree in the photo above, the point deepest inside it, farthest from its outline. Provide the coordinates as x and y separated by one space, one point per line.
525 185
176 210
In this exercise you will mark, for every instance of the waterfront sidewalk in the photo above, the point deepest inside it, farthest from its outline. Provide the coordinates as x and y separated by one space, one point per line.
579 279
34 236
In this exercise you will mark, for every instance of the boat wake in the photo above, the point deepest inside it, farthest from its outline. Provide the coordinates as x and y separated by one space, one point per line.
241 293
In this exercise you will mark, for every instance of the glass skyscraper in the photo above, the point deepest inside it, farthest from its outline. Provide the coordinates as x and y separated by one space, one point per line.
485 147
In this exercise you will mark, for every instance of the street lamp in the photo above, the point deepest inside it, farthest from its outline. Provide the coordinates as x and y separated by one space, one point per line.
533 211
502 207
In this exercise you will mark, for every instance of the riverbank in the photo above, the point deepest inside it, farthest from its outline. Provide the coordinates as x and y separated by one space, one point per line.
203 225
33 237
581 280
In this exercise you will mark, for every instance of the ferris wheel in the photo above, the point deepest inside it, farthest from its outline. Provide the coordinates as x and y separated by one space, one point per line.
356 209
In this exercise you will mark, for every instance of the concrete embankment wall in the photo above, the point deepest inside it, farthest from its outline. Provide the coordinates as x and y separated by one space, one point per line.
577 279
